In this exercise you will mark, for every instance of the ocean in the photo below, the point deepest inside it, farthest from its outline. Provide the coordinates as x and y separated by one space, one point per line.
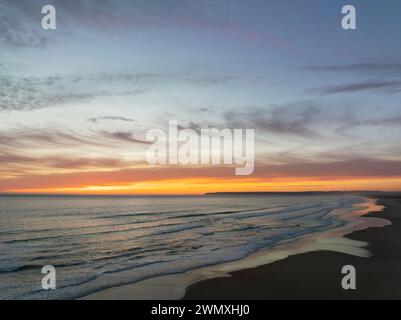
97 243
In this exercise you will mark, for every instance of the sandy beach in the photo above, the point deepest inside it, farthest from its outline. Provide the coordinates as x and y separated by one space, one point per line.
317 275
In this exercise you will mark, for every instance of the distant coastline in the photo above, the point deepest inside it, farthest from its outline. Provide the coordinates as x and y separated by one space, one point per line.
295 193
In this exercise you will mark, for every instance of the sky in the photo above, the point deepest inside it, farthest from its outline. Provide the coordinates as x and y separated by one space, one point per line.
76 102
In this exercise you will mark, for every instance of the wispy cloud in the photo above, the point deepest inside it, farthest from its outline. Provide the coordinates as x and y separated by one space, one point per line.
396 120
19 25
156 78
389 72
18 28
367 67
126 136
18 161
20 20
305 119
294 118
35 138
362 168
115 118
25 150
27 93
380 86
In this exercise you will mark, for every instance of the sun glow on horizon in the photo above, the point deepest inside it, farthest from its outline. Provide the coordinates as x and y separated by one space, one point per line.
199 186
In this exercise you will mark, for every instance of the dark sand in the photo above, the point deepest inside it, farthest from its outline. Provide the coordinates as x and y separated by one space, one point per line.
317 275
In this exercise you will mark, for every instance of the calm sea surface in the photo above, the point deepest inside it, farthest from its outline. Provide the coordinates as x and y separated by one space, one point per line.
101 242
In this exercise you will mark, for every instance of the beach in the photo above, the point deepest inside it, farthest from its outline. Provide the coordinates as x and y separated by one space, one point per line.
317 275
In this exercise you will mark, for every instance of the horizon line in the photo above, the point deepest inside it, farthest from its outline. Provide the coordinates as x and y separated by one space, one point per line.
5 194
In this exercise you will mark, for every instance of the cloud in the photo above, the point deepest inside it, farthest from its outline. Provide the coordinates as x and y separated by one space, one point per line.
155 78
396 121
27 150
303 119
126 136
60 162
41 138
353 168
295 119
196 126
20 20
18 28
32 138
392 85
368 67
116 118
29 93
340 170
382 86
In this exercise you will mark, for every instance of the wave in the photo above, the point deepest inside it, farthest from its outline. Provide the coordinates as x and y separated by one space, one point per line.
162 242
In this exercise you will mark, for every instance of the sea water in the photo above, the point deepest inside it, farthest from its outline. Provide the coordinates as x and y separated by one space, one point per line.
97 243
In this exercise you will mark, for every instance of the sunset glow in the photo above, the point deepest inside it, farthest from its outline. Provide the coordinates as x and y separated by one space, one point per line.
204 185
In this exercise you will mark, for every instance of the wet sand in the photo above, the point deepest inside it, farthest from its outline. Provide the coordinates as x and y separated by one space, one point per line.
317 275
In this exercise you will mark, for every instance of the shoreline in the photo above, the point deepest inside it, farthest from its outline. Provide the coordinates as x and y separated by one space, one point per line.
177 286
317 274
